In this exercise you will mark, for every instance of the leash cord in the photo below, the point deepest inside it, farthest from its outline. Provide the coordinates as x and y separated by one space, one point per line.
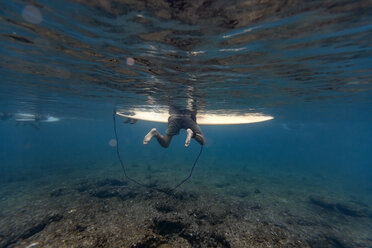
140 183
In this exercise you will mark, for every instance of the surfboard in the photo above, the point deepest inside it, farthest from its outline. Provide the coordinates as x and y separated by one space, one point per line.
202 117
25 117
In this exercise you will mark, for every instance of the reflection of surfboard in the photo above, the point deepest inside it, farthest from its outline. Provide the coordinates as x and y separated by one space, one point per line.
202 118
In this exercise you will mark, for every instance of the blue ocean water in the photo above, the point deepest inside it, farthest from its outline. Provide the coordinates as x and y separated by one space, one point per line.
306 63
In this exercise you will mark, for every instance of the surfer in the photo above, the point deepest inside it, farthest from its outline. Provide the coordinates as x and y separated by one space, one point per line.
178 119
33 120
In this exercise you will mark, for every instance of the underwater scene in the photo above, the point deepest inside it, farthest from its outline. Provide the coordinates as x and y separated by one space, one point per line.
185 123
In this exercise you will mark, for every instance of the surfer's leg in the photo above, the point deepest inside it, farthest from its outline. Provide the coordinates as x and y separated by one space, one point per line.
193 131
164 141
190 133
149 136
200 139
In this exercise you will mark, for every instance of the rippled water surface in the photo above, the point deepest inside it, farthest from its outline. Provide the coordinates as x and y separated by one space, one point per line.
222 54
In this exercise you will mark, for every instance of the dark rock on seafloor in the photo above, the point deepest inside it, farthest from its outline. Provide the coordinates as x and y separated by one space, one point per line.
107 188
89 186
220 240
322 202
58 192
167 227
83 187
242 194
149 242
360 203
185 196
210 216
166 190
104 193
328 241
255 206
164 208
346 208
112 192
352 209
127 195
257 191
79 228
222 185
205 239
304 222
111 182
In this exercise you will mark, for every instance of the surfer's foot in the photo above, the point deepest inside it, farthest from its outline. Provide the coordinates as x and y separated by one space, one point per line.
190 133
149 136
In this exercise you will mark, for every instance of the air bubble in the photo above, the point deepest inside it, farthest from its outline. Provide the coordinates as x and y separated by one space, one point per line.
32 14
130 61
113 142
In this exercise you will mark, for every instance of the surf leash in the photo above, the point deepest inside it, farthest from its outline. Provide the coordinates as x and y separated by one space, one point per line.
118 155
140 183
191 171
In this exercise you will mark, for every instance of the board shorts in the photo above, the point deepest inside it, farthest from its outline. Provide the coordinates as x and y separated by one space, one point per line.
177 122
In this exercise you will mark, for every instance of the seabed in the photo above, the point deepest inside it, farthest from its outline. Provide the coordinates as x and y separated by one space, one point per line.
95 207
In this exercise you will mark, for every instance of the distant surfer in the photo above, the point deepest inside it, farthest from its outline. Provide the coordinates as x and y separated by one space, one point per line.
33 120
178 119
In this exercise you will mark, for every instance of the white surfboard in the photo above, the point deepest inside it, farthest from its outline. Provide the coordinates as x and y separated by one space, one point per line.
26 117
202 117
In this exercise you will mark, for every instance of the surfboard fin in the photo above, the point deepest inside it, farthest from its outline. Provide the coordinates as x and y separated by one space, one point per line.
130 121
